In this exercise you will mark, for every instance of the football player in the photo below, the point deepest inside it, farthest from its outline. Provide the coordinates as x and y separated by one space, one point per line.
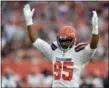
68 58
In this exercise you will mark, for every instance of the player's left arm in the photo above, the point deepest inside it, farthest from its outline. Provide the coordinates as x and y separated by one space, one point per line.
95 33
90 49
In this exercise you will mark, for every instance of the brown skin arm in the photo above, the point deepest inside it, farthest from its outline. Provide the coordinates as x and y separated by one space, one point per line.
94 41
32 33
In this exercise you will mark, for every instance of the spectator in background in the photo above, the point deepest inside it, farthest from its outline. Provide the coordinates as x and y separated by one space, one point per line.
48 79
34 79
106 81
10 79
47 82
86 81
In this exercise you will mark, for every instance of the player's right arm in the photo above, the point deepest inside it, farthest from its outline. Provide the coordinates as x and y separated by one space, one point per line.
40 44
28 13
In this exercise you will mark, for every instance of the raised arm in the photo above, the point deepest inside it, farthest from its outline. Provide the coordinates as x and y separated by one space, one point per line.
38 43
28 13
95 33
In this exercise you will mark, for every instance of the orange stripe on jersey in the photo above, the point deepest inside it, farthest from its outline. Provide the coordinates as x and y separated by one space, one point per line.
53 46
80 47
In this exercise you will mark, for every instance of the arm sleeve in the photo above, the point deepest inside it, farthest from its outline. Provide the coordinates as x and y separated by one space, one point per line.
87 53
43 47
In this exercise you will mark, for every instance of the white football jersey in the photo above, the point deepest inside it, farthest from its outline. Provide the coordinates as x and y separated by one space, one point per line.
67 67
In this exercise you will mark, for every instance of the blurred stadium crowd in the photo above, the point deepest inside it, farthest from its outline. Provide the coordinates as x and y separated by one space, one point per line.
24 66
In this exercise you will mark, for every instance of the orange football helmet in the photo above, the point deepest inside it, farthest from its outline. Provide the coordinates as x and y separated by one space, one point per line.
66 37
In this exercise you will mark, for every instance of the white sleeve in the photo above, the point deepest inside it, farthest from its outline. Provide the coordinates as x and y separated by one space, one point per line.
87 53
43 47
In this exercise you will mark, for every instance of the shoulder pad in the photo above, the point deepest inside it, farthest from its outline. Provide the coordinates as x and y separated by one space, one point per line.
53 46
80 47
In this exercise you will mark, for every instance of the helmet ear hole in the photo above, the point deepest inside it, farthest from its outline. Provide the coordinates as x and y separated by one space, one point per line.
73 43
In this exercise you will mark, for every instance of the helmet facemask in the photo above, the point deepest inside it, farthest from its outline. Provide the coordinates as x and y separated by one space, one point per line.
65 43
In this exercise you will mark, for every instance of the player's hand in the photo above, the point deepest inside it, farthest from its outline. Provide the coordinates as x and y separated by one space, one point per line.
28 13
94 19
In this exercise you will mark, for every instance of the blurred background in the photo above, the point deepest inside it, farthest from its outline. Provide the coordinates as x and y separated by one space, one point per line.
24 66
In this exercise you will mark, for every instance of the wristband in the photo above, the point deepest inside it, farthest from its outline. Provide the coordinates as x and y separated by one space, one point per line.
29 22
95 30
